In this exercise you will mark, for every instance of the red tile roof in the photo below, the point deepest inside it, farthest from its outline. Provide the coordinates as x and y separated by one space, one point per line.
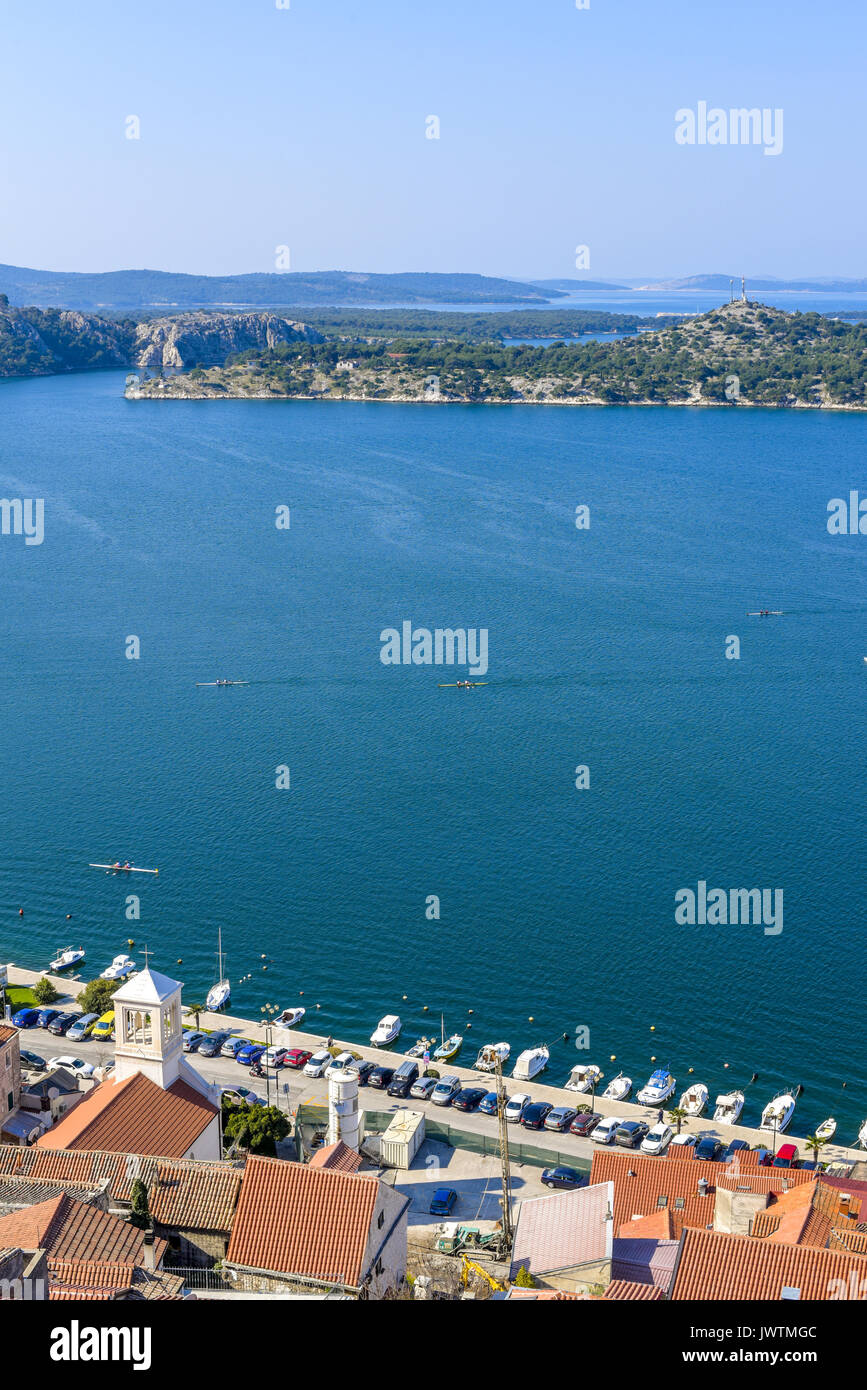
296 1219
714 1266
658 1226
620 1289
67 1229
134 1116
7 1033
86 1279
657 1185
337 1156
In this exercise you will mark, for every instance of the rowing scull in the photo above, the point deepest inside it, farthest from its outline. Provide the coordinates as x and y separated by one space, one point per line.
199 684
123 869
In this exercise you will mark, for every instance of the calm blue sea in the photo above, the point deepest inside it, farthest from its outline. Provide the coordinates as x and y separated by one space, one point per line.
606 649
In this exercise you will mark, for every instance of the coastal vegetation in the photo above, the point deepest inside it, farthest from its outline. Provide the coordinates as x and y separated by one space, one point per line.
740 354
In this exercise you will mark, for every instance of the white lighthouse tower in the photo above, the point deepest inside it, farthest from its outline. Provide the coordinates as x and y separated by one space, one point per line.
343 1117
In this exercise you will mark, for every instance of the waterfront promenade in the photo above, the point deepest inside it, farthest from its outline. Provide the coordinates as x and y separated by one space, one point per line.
224 1072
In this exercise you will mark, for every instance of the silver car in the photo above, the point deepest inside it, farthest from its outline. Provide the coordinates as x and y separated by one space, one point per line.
446 1089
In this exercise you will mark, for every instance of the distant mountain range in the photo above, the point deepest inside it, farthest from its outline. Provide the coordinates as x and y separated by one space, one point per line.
829 285
163 290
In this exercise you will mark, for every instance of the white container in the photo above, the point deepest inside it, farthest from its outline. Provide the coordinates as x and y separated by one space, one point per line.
402 1140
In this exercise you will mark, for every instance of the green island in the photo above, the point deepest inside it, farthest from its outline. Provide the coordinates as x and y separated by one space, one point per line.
741 354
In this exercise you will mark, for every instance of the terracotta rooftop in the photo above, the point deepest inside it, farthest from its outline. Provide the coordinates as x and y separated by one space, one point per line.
337 1156
187 1193
67 1229
620 1289
656 1185
134 1116
713 1266
7 1033
658 1226
85 1280
296 1219
564 1230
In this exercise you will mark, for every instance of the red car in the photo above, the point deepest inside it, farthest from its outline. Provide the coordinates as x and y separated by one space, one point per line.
297 1057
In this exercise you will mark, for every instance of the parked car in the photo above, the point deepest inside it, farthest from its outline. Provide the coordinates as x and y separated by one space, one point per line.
318 1062
446 1089
536 1114
274 1057
442 1201
380 1078
561 1118
488 1103
213 1044
515 1107
26 1018
232 1046
708 1149
298 1057
562 1177
657 1139
469 1098
73 1064
45 1017
104 1027
786 1156
735 1147
630 1133
32 1060
192 1039
403 1078
344 1061
81 1027
423 1088
251 1055
605 1131
362 1071
583 1125
684 1141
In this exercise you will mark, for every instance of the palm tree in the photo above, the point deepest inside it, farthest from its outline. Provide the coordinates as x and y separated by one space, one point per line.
815 1145
677 1117
195 1010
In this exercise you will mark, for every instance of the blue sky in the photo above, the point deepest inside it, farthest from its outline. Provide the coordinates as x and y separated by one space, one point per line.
306 127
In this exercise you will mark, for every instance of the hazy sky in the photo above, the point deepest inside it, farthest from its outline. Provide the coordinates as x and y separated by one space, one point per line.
306 127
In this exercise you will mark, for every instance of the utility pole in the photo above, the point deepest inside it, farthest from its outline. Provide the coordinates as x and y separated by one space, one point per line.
505 1166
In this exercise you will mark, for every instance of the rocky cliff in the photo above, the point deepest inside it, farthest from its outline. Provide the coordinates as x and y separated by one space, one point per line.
188 340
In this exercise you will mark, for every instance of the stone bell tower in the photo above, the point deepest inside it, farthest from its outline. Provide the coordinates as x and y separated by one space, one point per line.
147 1024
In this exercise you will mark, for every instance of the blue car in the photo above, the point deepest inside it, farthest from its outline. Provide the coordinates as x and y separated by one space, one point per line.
250 1055
442 1201
25 1018
735 1147
488 1104
708 1149
46 1016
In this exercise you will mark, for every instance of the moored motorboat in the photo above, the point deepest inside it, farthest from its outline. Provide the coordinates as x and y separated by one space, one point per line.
449 1048
490 1054
618 1088
584 1078
728 1107
659 1088
289 1018
827 1129
64 960
862 1133
531 1062
694 1099
120 968
420 1047
777 1114
386 1030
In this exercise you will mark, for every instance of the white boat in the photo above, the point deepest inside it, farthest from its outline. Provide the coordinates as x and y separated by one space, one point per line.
694 1099
862 1133
64 960
531 1062
490 1054
220 994
386 1030
449 1047
619 1088
729 1107
827 1129
584 1078
659 1088
777 1114
289 1018
120 968
420 1047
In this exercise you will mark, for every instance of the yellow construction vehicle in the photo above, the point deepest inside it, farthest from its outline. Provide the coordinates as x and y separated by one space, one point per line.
469 1267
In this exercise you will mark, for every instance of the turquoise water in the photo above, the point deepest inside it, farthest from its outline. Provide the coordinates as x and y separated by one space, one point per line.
606 649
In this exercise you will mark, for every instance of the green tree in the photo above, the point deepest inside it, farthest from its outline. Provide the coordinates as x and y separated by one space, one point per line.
44 992
255 1127
815 1145
195 1010
524 1279
141 1215
95 998
677 1117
